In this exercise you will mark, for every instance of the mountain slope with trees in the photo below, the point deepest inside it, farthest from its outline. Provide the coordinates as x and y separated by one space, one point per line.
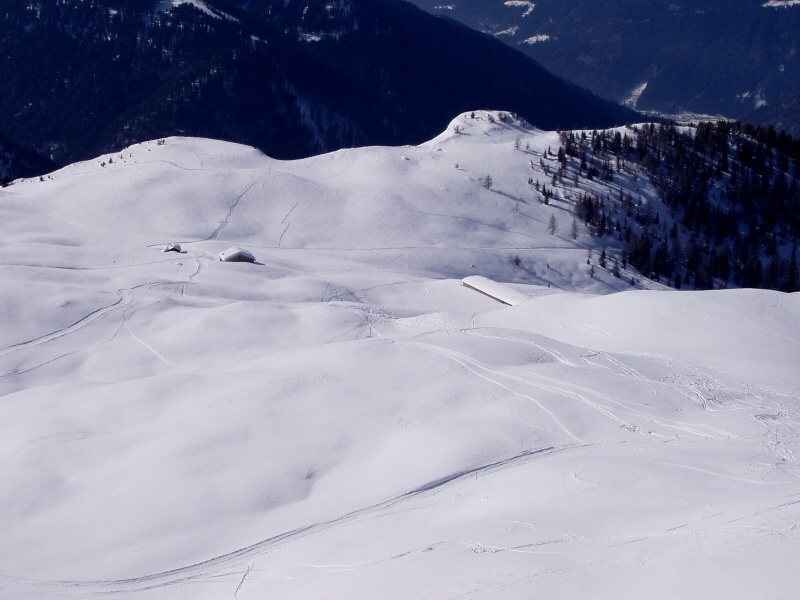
731 201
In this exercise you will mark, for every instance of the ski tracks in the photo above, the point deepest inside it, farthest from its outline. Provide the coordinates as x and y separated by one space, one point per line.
155 352
285 229
558 356
479 369
241 583
228 563
606 405
232 208
123 303
572 391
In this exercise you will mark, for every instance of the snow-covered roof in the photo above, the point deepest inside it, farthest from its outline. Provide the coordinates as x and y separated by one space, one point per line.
495 290
234 254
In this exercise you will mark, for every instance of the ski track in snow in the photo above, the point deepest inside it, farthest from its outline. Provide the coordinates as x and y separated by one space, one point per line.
310 184
579 393
284 221
550 351
155 352
236 594
723 475
124 303
476 367
215 234
128 309
231 560
42 363
463 218
76 326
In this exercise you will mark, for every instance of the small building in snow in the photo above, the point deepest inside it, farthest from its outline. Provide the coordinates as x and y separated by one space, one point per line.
494 290
235 254
172 248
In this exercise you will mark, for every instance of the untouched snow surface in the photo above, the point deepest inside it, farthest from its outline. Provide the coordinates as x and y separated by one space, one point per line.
344 419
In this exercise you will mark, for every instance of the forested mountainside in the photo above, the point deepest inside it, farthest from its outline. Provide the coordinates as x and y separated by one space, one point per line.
16 161
732 198
717 57
78 78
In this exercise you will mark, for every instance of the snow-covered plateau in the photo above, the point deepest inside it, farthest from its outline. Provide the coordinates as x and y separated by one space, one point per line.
344 419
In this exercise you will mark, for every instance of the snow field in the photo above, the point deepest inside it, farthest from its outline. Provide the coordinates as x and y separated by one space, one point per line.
344 419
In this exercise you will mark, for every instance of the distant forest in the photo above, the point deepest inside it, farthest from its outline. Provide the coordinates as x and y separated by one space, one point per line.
733 194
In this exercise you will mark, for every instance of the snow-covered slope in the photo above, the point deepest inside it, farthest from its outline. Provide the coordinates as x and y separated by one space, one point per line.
344 419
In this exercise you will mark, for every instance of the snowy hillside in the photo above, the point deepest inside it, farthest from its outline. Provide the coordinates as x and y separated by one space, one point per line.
345 419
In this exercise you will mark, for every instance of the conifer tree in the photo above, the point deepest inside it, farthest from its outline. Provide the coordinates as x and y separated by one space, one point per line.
552 225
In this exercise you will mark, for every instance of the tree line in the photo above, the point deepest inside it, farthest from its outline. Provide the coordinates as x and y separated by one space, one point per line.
732 194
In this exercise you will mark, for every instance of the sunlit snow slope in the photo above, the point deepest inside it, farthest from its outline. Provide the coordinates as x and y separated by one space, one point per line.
343 419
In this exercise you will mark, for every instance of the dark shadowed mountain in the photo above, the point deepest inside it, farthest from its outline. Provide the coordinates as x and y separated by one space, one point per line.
82 77
16 161
785 116
724 57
